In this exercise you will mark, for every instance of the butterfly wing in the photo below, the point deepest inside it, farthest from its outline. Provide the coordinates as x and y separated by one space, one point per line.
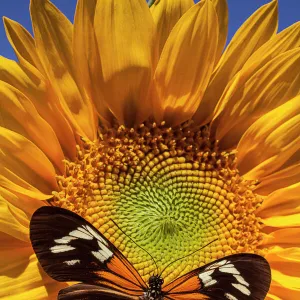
91 292
71 249
239 276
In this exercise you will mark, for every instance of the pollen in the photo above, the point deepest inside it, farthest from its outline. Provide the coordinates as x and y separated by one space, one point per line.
171 192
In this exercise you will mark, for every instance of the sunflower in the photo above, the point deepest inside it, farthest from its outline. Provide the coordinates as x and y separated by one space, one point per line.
139 116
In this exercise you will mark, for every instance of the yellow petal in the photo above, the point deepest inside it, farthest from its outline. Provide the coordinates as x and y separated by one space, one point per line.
279 292
32 84
221 8
23 43
23 278
13 221
23 150
277 180
166 14
283 221
274 84
287 237
186 64
283 202
272 296
86 56
285 265
26 206
9 242
125 36
21 179
39 131
270 141
287 39
279 44
289 282
17 176
258 29
20 193
27 200
53 37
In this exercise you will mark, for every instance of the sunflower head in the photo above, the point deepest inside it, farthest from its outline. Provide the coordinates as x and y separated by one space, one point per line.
171 190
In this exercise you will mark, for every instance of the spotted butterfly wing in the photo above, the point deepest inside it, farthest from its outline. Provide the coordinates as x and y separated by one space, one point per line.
70 249
236 277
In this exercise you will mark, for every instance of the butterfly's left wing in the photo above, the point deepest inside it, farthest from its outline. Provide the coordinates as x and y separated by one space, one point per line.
71 249
92 292
236 277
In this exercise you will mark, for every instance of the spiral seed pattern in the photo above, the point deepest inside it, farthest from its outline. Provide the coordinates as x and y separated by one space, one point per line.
169 189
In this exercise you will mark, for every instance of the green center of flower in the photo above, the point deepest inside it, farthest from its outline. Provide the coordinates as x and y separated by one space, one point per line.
169 189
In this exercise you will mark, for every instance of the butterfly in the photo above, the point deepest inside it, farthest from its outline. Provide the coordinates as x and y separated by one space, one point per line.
71 249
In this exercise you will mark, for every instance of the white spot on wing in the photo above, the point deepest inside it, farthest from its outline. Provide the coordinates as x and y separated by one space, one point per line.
241 280
230 297
229 269
103 254
217 264
72 262
211 282
61 248
83 230
241 288
205 277
65 240
96 234
81 234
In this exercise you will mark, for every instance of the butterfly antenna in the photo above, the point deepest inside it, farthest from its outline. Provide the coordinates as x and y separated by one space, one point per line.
136 244
185 256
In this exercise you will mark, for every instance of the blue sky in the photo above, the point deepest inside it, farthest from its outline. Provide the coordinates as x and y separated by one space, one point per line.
240 10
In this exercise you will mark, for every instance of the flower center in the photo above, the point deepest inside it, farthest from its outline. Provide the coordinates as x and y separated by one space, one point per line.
169 189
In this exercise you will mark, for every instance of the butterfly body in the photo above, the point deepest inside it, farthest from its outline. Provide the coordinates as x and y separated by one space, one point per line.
154 290
71 249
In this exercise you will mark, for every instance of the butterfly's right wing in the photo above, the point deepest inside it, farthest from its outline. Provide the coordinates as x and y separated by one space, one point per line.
92 292
241 276
71 249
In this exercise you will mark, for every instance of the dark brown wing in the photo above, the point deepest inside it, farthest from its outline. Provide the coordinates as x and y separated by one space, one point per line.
241 276
71 249
92 292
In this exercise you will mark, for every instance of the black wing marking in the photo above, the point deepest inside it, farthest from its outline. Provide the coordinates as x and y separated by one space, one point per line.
71 249
67 246
91 292
236 277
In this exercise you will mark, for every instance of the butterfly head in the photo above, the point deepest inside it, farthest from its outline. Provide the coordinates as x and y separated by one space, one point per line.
155 282
154 291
